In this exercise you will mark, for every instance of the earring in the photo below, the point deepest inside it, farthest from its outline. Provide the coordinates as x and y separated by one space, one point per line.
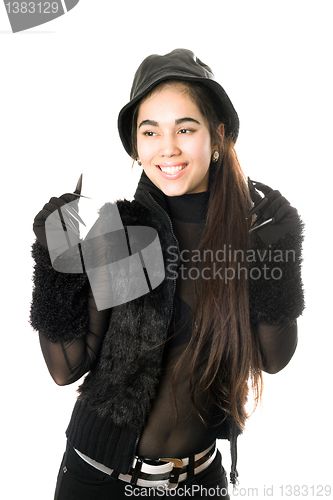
216 156
139 162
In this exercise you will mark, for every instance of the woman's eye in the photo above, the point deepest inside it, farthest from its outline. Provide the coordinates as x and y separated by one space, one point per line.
149 134
185 130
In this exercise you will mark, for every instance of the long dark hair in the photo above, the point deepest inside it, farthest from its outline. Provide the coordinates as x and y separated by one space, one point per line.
223 353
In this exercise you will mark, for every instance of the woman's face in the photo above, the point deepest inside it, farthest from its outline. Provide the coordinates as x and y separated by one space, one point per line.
173 142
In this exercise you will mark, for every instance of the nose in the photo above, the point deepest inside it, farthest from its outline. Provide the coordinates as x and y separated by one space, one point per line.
169 146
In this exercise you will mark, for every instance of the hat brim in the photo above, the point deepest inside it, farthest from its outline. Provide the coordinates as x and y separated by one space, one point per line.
224 107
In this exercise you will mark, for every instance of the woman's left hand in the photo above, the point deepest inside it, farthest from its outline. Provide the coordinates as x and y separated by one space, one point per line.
275 216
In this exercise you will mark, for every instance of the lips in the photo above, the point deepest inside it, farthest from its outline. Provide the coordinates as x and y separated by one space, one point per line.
171 169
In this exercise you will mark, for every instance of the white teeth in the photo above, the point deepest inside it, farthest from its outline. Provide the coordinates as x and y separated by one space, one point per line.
172 170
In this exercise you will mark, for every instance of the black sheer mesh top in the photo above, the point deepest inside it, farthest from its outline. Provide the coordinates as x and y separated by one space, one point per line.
173 427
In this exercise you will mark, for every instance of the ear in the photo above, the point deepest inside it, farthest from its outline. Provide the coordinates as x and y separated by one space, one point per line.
221 132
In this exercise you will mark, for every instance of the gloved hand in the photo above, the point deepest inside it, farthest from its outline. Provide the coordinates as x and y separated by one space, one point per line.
72 217
275 216
59 301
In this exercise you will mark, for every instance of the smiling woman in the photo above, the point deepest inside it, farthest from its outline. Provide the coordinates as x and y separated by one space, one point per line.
174 144
169 372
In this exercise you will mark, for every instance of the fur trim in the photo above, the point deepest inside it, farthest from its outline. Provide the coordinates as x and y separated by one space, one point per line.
59 300
133 346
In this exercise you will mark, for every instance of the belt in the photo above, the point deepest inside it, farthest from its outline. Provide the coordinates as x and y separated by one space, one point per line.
162 473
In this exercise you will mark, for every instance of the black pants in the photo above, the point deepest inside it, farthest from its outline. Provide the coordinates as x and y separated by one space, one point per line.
77 480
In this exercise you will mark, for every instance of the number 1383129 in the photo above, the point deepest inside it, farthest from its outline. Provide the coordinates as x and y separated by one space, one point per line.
305 490
32 7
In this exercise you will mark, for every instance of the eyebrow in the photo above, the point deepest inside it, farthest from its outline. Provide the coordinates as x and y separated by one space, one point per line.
152 123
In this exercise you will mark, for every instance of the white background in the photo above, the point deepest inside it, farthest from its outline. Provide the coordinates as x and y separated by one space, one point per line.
62 85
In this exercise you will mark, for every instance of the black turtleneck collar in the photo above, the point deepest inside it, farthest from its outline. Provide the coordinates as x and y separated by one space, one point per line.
187 208
145 184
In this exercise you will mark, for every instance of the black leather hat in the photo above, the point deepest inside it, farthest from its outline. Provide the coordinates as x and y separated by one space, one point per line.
180 64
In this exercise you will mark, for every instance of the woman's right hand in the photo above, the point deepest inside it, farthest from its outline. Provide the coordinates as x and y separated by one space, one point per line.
48 209
72 216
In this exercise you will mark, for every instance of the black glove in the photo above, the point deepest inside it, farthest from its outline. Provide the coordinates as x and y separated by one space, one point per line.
275 216
59 301
70 222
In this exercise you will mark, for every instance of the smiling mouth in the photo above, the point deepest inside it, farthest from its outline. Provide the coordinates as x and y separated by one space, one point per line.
172 169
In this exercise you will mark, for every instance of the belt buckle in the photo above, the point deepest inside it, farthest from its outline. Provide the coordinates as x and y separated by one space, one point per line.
174 474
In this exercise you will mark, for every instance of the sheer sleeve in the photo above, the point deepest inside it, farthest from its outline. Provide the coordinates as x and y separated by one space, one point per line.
277 344
68 361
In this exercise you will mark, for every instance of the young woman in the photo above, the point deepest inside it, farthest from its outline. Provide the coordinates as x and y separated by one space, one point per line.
169 371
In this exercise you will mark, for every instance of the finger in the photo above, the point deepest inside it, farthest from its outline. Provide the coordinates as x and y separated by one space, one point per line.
278 212
256 197
41 217
259 206
56 202
275 200
267 200
50 207
284 212
78 188
262 187
69 197
272 209
53 205
273 195
260 220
